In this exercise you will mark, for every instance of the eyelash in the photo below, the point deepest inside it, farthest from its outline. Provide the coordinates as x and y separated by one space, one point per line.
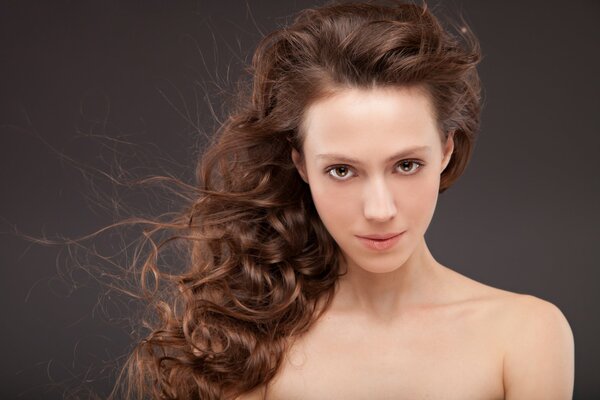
415 162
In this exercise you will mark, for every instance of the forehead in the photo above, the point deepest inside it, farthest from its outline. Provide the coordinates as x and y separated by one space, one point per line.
370 120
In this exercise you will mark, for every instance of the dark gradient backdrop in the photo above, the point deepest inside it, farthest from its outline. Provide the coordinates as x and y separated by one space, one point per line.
75 74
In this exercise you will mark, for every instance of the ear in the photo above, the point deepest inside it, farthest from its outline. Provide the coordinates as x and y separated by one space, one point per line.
448 150
298 160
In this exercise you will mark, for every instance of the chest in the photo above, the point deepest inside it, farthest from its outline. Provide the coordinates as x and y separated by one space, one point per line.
448 358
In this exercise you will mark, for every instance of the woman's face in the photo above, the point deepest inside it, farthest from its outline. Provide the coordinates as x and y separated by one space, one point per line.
373 160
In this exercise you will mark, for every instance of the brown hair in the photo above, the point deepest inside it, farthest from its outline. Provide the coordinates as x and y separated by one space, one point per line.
261 265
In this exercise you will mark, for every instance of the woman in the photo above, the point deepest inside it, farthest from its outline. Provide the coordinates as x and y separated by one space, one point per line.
309 276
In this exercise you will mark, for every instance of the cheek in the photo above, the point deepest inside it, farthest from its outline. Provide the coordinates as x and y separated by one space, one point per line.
420 200
335 207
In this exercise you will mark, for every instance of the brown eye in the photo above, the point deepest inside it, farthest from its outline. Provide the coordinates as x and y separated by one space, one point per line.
344 171
341 172
410 166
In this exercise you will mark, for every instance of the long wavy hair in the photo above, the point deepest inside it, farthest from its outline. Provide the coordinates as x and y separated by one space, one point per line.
261 267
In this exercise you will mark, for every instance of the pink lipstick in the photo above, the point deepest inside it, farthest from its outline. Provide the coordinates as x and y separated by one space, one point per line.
380 242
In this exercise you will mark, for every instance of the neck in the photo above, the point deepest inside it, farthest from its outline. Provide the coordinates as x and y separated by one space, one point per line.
385 296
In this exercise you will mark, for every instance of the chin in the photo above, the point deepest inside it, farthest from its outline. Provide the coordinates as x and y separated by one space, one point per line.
381 269
376 263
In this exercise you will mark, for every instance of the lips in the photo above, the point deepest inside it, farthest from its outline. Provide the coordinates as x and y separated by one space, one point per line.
380 236
380 244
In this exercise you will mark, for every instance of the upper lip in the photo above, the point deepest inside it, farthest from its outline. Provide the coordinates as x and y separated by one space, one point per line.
380 236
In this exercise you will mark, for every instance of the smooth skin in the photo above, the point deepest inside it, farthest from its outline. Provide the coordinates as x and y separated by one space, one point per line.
402 325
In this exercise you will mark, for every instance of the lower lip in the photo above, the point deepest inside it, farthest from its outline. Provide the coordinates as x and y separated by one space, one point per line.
380 244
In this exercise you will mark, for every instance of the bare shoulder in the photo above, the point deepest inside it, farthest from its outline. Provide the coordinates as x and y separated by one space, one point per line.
531 310
539 358
508 307
535 337
532 336
529 318
515 313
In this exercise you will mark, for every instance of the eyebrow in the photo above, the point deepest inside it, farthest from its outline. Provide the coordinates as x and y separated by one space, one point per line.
400 154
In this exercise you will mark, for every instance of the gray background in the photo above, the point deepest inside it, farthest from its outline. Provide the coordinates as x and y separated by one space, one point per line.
524 216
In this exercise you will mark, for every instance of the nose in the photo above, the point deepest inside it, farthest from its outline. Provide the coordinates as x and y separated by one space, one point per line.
379 202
